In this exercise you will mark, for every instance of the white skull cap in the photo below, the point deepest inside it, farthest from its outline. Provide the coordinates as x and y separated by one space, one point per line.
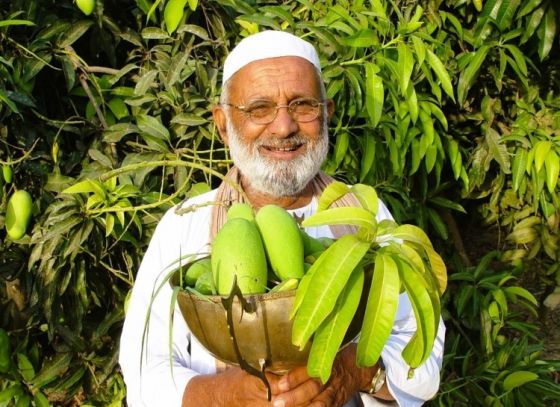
268 44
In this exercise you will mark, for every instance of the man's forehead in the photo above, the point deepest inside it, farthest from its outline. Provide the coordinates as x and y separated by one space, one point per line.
268 44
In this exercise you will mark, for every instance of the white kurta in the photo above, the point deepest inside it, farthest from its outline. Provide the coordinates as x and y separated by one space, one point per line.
149 378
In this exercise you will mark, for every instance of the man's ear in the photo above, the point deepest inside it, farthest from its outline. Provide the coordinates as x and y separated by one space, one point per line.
330 109
220 120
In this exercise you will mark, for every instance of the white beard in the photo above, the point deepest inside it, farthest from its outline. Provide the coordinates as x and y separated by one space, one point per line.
276 177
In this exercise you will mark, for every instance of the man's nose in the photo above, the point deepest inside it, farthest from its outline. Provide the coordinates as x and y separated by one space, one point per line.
284 125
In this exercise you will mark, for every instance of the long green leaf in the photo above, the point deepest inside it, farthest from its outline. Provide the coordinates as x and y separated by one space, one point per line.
374 94
519 378
75 31
438 268
413 234
420 346
368 156
152 126
552 169
329 336
367 197
343 216
467 77
547 32
498 149
380 311
534 22
505 14
335 190
404 66
518 168
325 286
442 74
6 23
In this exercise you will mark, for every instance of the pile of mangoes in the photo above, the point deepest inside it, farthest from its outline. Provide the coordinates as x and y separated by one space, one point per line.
262 252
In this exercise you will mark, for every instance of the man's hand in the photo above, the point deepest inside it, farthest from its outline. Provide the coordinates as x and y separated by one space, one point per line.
232 388
298 389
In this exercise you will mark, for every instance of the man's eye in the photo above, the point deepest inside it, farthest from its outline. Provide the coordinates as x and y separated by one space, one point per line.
260 109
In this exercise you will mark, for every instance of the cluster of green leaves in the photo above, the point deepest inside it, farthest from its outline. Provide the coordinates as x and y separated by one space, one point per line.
508 368
105 120
330 292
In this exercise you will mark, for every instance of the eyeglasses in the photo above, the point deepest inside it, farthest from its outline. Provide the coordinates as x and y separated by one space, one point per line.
302 110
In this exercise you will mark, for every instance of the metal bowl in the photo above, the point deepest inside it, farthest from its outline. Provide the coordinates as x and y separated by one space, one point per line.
263 336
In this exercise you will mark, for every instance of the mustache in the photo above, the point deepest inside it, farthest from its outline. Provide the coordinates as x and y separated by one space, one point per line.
274 142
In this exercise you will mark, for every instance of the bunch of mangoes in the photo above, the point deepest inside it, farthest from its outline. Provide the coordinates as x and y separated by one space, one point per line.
266 251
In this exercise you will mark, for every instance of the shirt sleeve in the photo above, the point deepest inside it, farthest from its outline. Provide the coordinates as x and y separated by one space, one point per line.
154 374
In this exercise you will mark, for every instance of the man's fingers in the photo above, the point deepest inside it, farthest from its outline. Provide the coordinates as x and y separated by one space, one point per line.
293 378
300 395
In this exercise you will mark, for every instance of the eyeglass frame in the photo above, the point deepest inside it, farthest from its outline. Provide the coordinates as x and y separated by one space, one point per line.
243 108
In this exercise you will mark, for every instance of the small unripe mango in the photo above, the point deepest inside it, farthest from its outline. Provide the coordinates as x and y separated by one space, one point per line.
205 283
282 241
197 269
18 214
238 250
86 6
240 210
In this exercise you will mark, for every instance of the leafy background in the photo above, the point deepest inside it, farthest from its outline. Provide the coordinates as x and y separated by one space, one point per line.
450 109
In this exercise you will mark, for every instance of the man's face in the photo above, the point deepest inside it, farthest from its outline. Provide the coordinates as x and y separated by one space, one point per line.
279 158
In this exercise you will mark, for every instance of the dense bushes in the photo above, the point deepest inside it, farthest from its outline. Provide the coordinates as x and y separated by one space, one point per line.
105 121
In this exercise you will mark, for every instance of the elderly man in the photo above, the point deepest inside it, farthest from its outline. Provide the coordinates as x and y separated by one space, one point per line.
273 116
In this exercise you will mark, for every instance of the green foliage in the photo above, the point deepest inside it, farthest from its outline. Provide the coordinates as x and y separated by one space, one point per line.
445 107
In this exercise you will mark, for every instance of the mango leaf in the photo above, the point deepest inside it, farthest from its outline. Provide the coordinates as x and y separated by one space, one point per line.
541 152
343 216
412 234
519 378
25 367
381 308
6 23
363 38
367 197
420 345
75 31
176 67
518 168
534 22
374 94
145 82
419 49
552 170
341 146
442 74
467 76
438 268
188 119
341 258
412 102
152 126
86 186
52 369
546 33
505 14
335 190
304 285
329 336
404 66
498 149
529 6
368 155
